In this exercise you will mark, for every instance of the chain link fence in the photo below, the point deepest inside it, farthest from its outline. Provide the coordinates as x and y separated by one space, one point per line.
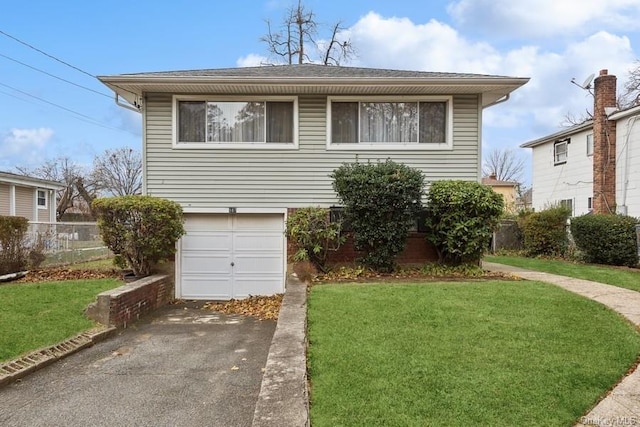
64 243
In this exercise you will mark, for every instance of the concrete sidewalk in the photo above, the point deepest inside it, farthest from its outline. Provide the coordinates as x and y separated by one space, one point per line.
622 405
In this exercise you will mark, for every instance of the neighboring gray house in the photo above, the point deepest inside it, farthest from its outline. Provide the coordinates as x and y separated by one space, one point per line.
239 147
32 198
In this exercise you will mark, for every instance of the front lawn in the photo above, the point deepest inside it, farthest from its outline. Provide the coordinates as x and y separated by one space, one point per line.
493 353
36 315
617 276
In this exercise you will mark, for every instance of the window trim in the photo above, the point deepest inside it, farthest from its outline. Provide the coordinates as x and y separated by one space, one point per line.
589 154
293 145
564 142
46 197
447 145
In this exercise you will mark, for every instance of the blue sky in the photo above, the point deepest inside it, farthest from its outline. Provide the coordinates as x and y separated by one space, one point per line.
551 41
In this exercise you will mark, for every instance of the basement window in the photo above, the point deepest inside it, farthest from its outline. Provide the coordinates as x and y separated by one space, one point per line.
560 152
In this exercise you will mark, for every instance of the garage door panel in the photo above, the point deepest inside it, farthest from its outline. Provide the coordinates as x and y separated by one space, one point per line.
205 286
253 243
257 242
257 265
258 222
205 262
207 223
244 288
207 241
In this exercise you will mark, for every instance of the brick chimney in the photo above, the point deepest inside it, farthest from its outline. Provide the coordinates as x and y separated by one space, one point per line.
604 145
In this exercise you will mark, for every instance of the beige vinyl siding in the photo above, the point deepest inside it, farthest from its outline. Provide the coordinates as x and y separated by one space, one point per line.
217 178
44 215
24 202
4 199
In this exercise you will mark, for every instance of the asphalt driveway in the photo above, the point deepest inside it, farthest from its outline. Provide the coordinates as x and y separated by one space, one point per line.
183 367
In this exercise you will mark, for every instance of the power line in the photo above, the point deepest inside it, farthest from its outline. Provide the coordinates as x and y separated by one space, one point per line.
55 77
46 54
58 59
91 119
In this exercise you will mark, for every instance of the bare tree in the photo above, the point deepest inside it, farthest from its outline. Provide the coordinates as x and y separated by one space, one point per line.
299 32
505 164
118 172
69 173
631 96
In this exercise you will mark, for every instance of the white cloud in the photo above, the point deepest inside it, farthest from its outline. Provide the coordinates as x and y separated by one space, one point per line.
540 105
252 60
400 43
545 18
18 141
24 146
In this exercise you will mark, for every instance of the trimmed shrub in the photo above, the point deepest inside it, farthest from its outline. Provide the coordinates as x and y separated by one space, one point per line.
314 235
381 202
141 229
545 232
14 253
606 239
461 218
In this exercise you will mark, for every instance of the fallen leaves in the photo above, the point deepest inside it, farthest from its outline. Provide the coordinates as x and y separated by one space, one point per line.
264 308
429 272
60 274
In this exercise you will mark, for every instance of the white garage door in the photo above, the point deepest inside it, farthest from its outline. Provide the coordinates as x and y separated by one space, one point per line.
231 256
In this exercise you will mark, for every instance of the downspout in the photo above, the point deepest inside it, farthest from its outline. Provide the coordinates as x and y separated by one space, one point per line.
625 177
123 105
498 101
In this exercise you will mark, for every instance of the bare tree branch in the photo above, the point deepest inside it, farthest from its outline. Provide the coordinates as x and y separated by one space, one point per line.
67 172
298 33
118 172
504 164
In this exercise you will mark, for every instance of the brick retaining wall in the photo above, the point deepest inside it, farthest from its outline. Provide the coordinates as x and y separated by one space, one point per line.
121 306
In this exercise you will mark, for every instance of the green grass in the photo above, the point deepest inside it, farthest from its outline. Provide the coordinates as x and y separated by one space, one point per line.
99 264
616 276
493 353
36 315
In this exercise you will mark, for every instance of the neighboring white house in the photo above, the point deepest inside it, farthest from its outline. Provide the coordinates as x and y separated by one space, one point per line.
596 161
239 148
563 169
32 198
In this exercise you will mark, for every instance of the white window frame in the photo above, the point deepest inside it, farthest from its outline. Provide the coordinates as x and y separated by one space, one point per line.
363 146
556 144
589 137
46 197
293 145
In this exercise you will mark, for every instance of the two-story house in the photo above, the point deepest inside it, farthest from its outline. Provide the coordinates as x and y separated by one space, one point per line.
239 148
593 166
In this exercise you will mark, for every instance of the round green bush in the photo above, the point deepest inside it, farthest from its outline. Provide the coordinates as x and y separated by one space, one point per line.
606 239
141 229
381 202
461 218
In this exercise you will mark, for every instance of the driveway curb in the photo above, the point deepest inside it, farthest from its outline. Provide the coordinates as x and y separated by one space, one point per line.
19 368
284 399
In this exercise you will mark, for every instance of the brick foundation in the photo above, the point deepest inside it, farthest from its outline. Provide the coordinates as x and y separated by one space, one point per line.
121 306
417 250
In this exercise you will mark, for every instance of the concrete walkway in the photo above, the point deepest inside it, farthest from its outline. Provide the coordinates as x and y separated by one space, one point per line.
622 406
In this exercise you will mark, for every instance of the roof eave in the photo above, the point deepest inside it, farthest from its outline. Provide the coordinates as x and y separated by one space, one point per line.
30 182
497 87
557 135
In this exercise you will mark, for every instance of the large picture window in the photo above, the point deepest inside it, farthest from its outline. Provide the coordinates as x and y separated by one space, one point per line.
235 123
389 123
